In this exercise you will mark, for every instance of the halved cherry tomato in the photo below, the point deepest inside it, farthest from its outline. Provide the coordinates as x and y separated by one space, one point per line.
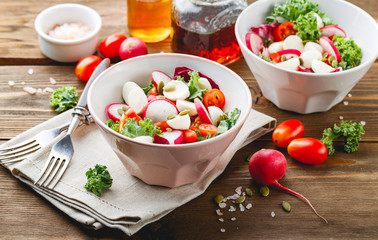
308 150
287 131
275 57
129 113
162 125
152 91
86 66
284 30
206 128
190 136
214 97
109 47
195 123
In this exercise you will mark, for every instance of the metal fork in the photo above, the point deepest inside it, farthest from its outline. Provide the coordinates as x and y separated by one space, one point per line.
62 152
20 151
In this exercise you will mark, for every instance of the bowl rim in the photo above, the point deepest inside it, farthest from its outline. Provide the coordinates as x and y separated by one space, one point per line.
90 35
242 43
239 123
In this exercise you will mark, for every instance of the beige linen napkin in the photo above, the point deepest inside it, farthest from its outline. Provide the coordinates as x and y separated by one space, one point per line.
129 204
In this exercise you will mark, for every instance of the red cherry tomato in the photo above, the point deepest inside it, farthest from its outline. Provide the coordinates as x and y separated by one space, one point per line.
190 136
109 47
152 91
287 131
129 113
162 125
86 66
214 97
308 150
275 57
284 30
206 128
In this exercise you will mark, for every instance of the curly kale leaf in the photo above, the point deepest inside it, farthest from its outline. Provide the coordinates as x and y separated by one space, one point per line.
98 179
64 98
307 27
350 53
134 128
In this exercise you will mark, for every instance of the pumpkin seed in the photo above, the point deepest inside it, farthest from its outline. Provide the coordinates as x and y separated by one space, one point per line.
169 88
160 97
160 87
240 200
219 198
120 111
169 129
325 54
286 206
300 61
264 191
283 58
249 192
248 158
172 116
124 108
334 63
184 112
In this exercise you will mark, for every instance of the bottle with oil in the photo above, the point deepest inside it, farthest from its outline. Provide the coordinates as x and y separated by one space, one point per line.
206 28
149 20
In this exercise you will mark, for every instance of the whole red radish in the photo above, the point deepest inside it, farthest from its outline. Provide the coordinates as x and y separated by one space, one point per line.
267 166
132 47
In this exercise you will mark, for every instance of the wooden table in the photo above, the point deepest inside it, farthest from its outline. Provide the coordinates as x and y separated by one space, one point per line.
344 188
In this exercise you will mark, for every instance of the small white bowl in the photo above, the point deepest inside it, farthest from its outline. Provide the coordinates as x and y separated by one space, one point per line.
309 92
68 50
160 164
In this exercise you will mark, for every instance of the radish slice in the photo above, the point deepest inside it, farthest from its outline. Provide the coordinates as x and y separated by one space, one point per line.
174 137
176 90
151 98
202 112
134 96
183 72
319 21
293 42
254 43
275 47
159 110
179 122
313 46
146 139
291 64
186 105
160 140
289 53
112 110
321 67
329 47
331 30
303 69
308 56
158 76
216 114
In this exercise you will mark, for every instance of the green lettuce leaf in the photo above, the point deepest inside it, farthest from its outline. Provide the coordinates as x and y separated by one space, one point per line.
64 98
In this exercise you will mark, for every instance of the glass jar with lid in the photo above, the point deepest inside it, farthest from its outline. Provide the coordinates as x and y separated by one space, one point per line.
206 28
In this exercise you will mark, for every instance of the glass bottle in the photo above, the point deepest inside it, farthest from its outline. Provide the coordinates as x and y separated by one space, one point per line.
206 28
149 20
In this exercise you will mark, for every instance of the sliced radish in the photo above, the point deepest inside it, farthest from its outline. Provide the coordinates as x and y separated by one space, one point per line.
179 122
265 53
202 112
159 110
158 76
308 56
160 140
186 105
331 30
203 83
289 53
113 110
254 43
146 139
293 42
312 46
339 69
319 21
291 64
303 69
176 90
216 114
134 96
151 98
275 47
321 67
174 137
183 72
329 47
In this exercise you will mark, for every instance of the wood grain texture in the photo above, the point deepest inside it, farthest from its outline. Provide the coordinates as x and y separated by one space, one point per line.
344 188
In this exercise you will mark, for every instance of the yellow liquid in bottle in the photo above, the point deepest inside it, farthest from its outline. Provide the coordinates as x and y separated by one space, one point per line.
149 20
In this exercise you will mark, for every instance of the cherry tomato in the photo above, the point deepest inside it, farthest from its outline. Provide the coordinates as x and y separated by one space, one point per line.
214 97
109 47
162 125
287 131
190 136
275 57
86 66
152 91
308 150
284 30
206 128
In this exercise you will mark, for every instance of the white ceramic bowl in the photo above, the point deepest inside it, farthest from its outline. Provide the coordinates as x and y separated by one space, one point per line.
67 50
308 92
167 165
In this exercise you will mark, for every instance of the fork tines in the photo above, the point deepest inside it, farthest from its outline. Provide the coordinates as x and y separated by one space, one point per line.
18 152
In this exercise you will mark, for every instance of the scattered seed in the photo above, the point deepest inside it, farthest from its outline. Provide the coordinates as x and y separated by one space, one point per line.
221 220
273 214
222 205
11 83
286 206
184 112
120 111
219 198
233 219
301 61
52 80
249 192
172 116
124 108
240 200
264 191
223 230
160 87
169 129
248 206
30 71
